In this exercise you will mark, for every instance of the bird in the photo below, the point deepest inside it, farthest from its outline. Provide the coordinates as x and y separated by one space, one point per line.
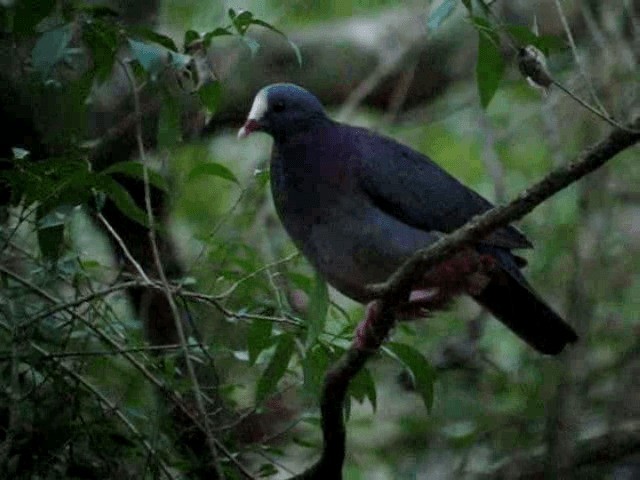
358 204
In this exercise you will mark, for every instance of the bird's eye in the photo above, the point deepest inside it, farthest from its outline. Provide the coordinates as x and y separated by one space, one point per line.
278 106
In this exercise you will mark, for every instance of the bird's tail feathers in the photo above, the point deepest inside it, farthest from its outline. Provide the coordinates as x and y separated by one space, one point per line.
512 301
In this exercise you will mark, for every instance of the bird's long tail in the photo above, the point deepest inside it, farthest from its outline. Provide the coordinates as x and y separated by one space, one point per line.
512 301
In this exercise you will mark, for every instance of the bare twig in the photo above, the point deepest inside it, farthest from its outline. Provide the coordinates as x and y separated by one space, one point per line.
124 248
79 301
104 400
576 56
197 392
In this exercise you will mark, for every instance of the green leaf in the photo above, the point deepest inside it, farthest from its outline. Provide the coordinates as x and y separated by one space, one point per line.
419 367
99 11
179 61
190 36
136 170
490 65
363 387
218 32
210 94
29 14
267 470
440 14
468 5
103 40
318 307
293 46
51 48
51 241
50 230
169 123
314 366
213 169
58 216
545 43
258 338
152 58
155 37
242 21
277 367
122 199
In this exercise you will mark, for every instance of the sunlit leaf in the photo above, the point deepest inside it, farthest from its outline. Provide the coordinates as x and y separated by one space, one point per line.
545 43
152 58
122 199
190 36
217 32
362 388
258 338
56 217
419 367
136 170
212 169
169 124
318 307
210 94
179 61
440 14
51 48
293 46
276 368
314 367
267 470
155 37
103 40
490 65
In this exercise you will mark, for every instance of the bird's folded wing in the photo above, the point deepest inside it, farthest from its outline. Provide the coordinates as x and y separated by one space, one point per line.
412 188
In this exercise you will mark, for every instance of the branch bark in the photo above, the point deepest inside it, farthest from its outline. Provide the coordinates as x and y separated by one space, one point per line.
397 288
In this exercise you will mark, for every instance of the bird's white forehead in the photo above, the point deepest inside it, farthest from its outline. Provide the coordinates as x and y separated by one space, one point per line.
259 107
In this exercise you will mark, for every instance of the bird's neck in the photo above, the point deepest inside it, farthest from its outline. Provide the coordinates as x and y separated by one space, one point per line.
298 131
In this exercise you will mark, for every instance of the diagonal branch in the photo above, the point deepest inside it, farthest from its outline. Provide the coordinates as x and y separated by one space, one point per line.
398 286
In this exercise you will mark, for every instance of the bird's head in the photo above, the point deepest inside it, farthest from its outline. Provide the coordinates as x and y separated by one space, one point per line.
282 109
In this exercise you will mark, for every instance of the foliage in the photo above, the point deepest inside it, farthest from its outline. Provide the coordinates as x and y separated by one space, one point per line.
81 383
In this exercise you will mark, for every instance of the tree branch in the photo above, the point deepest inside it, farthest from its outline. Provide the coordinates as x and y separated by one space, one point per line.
398 286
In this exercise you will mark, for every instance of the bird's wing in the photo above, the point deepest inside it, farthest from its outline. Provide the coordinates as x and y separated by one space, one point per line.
412 188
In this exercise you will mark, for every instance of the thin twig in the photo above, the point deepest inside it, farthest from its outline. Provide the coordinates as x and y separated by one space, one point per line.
576 56
124 248
78 301
197 392
214 300
112 407
5 356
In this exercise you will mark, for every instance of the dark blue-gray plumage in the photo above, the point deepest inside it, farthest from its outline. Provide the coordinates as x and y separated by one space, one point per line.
358 204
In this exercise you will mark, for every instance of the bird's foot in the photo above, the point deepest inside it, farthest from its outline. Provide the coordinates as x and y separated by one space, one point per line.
466 272
364 338
422 303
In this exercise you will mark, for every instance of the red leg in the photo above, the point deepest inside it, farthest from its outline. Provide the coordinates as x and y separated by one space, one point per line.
467 272
371 315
